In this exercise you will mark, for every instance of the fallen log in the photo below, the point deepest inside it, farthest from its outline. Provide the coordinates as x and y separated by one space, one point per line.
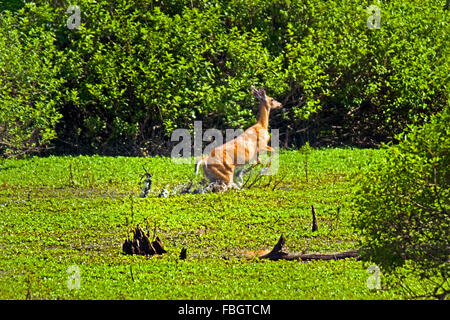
279 253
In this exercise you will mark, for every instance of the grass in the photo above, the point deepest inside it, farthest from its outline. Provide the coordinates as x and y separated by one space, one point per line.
61 211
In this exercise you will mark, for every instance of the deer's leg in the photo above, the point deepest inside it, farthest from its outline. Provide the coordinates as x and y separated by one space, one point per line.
258 161
227 178
272 152
219 173
269 162
239 177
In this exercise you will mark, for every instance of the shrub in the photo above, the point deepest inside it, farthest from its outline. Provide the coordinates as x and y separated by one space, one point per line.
138 70
403 205
29 82
369 83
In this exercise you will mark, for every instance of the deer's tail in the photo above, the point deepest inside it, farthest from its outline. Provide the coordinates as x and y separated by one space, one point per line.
201 161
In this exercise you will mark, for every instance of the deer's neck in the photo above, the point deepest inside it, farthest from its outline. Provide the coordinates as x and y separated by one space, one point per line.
263 118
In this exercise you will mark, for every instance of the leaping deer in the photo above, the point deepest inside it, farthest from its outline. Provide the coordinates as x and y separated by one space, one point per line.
220 164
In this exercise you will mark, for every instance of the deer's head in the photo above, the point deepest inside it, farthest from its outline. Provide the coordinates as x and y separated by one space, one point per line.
268 102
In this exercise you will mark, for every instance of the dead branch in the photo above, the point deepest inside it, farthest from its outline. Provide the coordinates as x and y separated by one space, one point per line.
278 252
314 220
183 254
141 244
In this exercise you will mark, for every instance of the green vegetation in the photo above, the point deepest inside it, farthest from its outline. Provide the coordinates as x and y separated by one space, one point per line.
62 211
30 86
404 203
135 70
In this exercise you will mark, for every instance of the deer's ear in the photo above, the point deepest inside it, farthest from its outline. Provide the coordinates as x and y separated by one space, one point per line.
256 94
262 93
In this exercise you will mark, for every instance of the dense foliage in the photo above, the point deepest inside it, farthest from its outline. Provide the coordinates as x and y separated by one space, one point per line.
404 204
30 85
135 70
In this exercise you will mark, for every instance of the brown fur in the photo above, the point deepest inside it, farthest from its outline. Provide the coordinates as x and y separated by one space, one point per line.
220 164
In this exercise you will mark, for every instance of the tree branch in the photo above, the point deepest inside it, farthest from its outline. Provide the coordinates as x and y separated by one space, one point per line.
279 253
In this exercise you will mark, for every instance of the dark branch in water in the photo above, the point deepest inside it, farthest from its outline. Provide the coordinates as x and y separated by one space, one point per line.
279 253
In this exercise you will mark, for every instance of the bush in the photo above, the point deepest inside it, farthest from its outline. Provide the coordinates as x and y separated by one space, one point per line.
29 82
138 69
403 205
368 84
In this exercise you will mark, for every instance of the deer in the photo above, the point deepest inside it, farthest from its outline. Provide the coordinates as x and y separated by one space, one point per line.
219 166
